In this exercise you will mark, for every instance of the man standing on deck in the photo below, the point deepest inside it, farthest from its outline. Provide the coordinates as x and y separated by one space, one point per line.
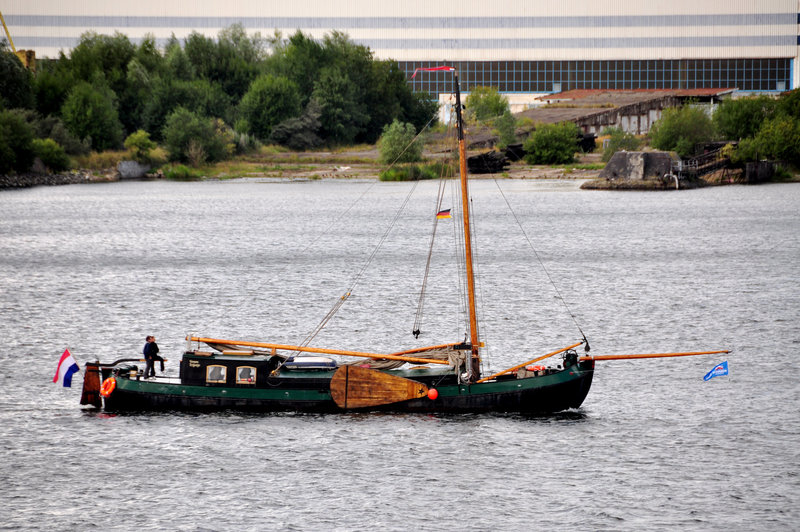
150 356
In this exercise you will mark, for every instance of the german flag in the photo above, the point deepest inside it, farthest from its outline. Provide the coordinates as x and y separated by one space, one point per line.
443 214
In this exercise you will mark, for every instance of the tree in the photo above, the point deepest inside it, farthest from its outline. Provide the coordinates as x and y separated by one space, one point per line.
51 85
344 115
232 61
90 112
619 140
15 81
16 143
552 144
397 144
483 103
269 101
742 118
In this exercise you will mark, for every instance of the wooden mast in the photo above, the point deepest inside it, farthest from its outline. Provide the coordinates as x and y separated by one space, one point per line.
473 313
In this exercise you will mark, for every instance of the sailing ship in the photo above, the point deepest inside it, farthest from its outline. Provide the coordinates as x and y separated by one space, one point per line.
266 377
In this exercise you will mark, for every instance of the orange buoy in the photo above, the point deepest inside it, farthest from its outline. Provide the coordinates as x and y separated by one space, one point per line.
108 386
433 393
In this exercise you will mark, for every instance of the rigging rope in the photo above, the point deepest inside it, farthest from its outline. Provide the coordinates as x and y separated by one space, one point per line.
544 268
421 301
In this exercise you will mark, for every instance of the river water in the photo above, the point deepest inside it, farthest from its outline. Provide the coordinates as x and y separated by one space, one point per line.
98 267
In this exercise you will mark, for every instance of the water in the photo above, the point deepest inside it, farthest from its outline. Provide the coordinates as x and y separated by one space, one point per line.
98 267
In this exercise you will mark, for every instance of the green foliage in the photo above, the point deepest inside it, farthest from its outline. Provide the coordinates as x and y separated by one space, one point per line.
51 154
416 172
180 172
269 101
779 139
681 129
301 133
190 137
140 145
15 81
89 112
344 116
200 96
789 104
52 83
231 61
619 140
506 128
484 103
16 143
397 144
552 144
742 118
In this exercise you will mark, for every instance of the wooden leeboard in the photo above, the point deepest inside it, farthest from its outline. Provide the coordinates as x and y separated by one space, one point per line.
357 387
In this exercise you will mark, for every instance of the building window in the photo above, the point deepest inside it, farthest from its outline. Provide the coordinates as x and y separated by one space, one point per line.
216 374
245 375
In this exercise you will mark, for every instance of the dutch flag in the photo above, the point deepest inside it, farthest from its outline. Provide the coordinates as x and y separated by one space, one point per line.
66 368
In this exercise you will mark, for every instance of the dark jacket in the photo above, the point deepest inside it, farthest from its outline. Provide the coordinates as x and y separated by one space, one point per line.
150 350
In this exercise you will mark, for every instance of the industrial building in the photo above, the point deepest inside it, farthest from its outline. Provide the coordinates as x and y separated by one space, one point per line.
519 47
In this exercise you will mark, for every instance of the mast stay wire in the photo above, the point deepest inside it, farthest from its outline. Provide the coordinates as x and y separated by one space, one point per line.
544 268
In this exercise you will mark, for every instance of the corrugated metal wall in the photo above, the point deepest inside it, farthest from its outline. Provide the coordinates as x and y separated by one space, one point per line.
416 30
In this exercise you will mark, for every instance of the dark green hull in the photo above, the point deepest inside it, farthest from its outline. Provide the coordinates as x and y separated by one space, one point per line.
310 392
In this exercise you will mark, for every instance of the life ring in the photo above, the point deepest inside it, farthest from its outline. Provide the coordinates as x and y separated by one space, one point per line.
108 386
535 368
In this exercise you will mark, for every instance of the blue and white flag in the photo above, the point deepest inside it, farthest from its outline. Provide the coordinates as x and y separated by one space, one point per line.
718 371
66 368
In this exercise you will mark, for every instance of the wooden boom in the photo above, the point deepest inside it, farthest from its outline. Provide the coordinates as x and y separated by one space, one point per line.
518 366
652 355
321 350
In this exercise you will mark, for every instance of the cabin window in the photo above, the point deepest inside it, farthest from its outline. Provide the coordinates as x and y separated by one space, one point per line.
216 374
245 375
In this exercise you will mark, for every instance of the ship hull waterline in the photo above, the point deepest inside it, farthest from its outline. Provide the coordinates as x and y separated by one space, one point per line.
544 394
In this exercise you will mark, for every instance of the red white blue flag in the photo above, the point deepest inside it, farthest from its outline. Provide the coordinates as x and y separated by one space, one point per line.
719 370
66 368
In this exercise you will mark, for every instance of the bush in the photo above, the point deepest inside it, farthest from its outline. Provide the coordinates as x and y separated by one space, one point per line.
140 145
52 155
188 135
398 145
416 172
180 172
16 143
619 140
483 103
101 160
552 144
681 129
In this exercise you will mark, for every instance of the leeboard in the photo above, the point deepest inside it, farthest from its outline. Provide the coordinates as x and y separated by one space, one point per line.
357 387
